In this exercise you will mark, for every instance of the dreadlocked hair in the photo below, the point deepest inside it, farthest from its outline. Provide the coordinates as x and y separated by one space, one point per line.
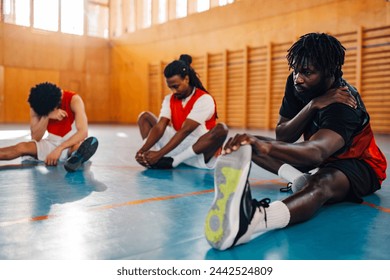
182 67
324 51
44 98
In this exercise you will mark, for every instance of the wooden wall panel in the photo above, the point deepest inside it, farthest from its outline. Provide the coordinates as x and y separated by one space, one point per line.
165 90
257 87
155 89
76 63
82 62
199 64
236 93
2 94
1 44
74 81
17 89
246 23
279 73
376 76
216 82
248 84
349 41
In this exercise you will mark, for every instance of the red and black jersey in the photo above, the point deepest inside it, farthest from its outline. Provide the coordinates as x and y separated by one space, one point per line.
352 124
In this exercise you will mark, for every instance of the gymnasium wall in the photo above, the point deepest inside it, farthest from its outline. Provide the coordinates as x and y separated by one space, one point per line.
239 51
29 56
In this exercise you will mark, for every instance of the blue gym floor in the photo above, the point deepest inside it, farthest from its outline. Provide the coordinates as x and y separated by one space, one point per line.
115 209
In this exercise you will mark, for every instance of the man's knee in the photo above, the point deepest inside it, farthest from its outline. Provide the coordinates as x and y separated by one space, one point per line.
323 184
143 115
220 130
25 148
146 118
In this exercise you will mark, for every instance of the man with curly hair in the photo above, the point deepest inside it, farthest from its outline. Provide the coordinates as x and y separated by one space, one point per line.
60 113
329 114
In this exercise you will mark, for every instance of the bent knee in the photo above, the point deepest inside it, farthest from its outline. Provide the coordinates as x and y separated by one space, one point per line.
143 115
146 117
220 130
331 185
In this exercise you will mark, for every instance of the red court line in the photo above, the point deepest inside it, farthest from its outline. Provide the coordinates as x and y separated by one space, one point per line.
128 203
159 198
147 200
110 206
380 208
26 220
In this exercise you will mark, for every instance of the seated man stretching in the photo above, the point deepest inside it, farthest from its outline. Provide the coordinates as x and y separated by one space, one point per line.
61 113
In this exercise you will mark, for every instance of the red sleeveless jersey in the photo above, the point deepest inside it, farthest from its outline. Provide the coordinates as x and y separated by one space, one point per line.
179 113
61 128
364 147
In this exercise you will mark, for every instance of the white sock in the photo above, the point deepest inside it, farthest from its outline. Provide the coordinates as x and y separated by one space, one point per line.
277 215
186 154
289 173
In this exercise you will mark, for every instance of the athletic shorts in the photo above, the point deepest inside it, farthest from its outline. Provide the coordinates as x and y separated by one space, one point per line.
197 161
361 176
47 145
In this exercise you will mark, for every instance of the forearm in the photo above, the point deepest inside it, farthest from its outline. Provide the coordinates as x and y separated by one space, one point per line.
298 154
154 136
174 141
75 139
38 127
291 130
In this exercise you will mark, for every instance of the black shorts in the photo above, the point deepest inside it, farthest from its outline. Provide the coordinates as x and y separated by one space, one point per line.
361 176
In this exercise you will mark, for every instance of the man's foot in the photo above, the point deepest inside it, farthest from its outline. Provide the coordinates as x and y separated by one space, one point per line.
86 150
163 163
233 208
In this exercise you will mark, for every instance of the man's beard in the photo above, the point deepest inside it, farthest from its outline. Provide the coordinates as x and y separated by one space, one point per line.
309 94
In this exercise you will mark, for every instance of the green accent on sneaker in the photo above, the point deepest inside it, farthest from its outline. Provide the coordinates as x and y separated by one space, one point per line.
214 225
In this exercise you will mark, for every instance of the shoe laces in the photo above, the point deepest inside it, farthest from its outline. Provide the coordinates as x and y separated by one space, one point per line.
288 188
262 204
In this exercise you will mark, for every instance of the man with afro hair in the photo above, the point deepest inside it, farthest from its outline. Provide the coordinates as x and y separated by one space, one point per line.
62 115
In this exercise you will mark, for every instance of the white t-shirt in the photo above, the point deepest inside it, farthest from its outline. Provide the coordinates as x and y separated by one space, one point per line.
202 110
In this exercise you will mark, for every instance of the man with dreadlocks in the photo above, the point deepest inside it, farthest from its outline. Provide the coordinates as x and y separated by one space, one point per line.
321 106
61 115
186 130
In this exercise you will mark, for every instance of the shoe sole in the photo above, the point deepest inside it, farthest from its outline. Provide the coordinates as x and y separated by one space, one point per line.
230 177
86 150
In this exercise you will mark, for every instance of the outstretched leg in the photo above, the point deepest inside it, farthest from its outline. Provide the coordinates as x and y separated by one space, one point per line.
235 218
328 185
18 150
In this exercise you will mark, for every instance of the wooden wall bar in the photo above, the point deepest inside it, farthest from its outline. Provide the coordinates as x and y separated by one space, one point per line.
238 50
248 81
375 83
255 78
